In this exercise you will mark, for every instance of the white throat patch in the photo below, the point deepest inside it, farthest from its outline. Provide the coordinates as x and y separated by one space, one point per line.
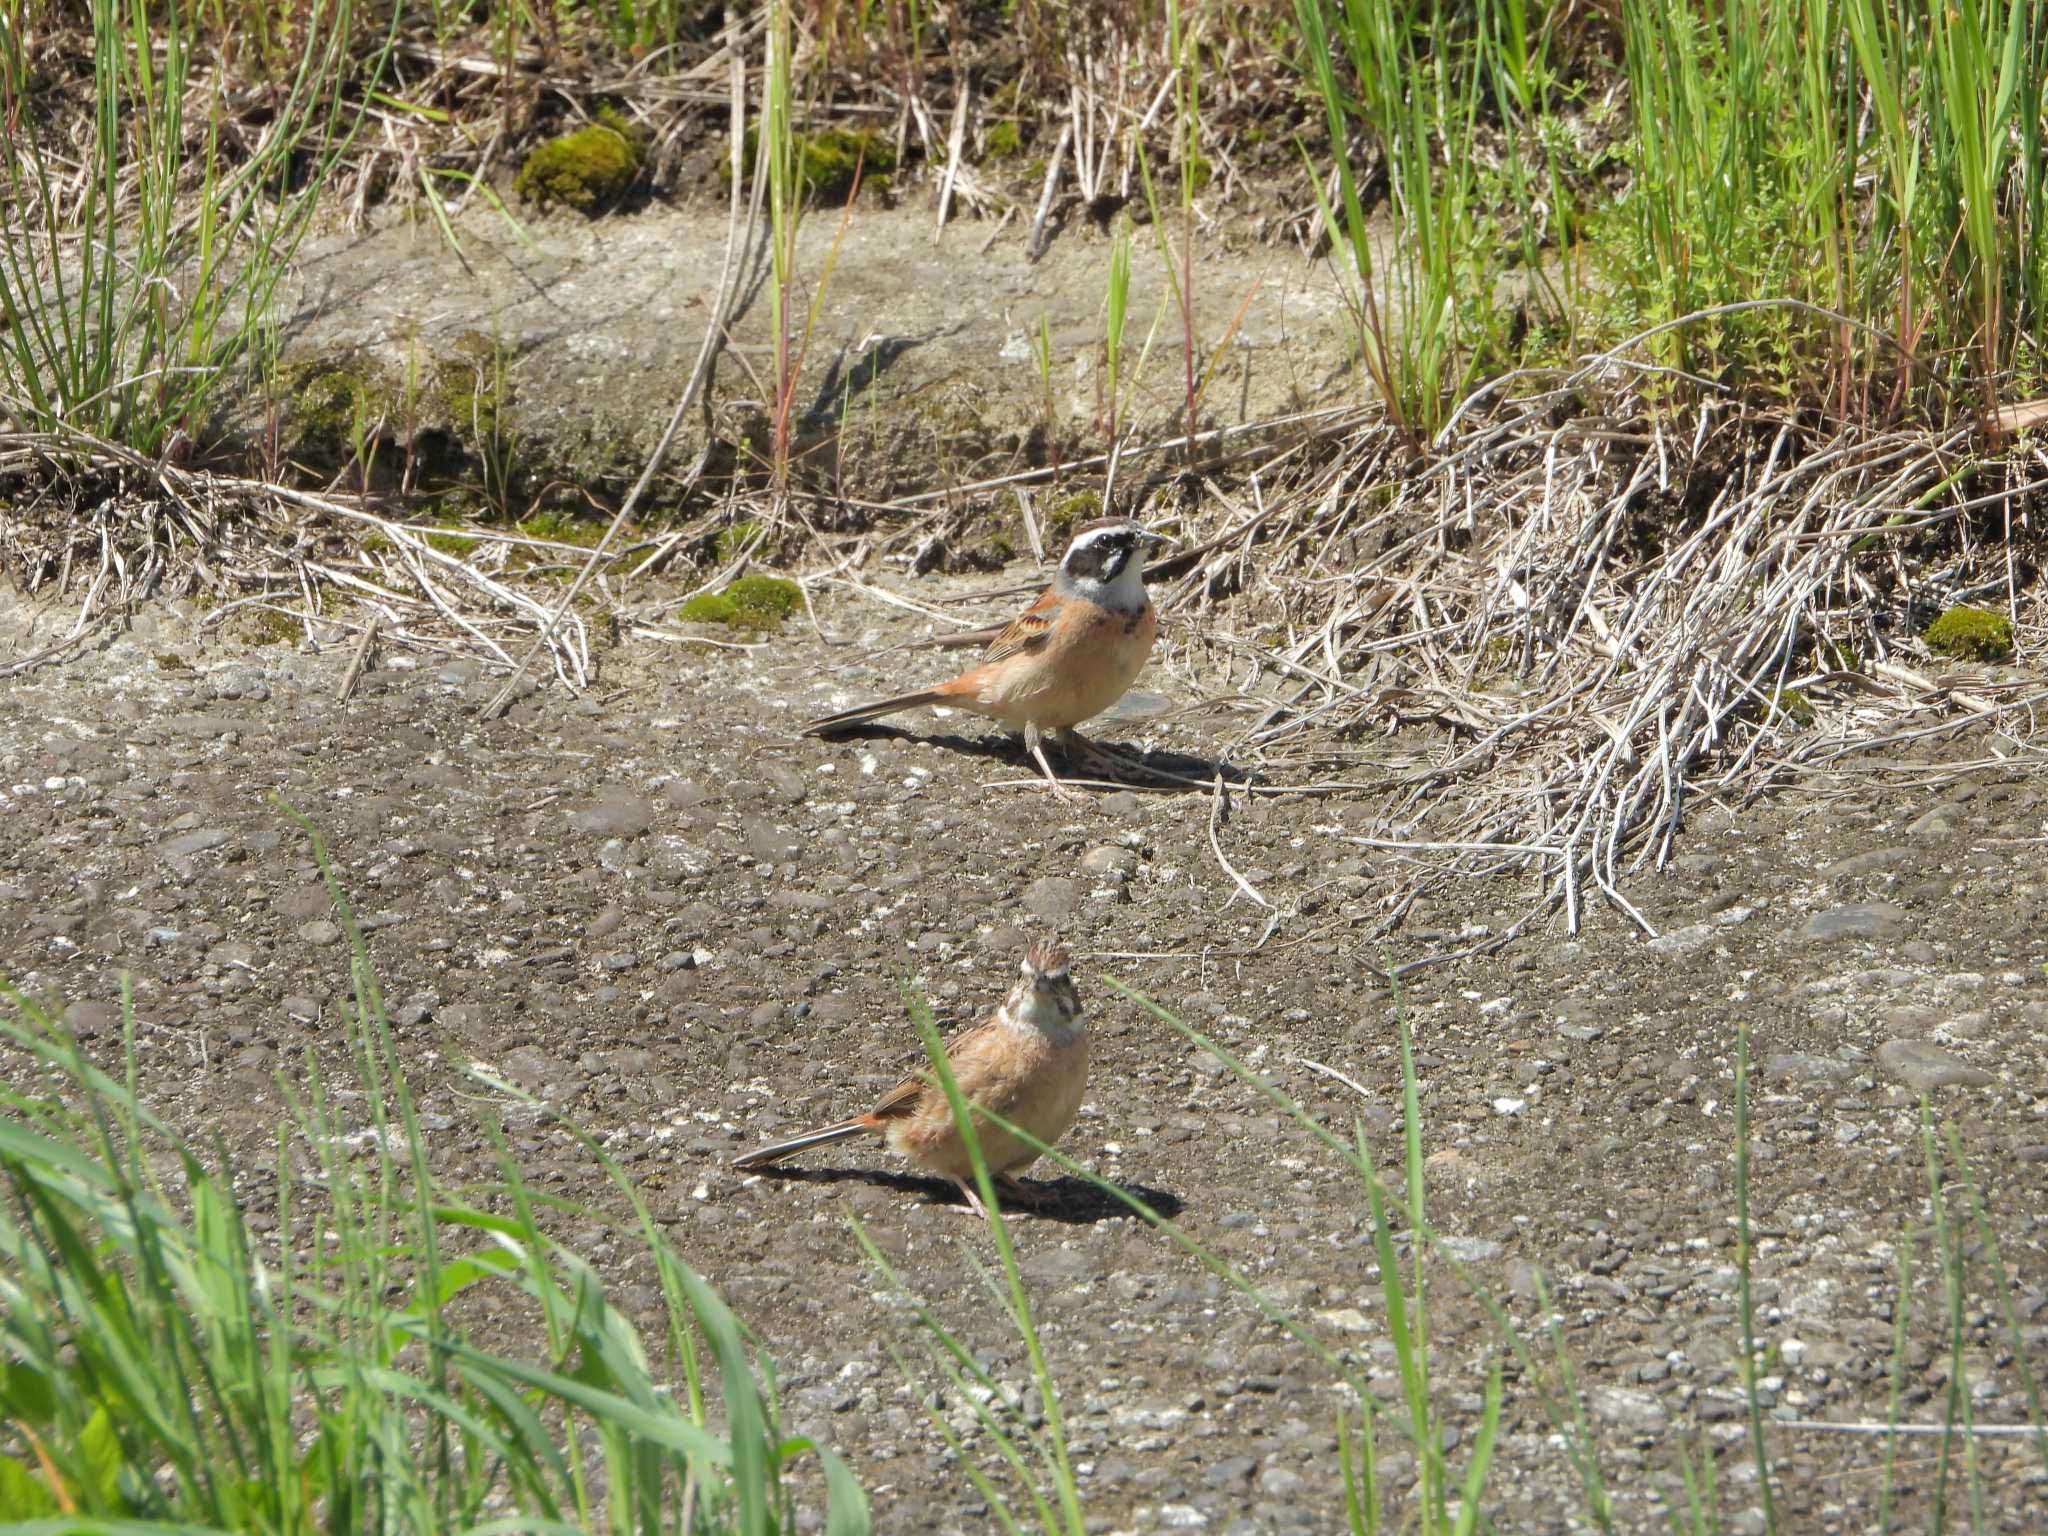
1124 591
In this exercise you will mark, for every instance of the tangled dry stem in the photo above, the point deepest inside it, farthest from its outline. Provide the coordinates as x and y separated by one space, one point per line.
1600 659
328 563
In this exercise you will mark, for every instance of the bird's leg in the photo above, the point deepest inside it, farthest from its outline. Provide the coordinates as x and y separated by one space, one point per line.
1010 1190
1034 744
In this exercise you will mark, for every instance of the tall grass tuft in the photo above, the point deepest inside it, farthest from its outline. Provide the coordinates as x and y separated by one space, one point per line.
776 159
133 284
168 1361
1878 163
1900 185
1426 327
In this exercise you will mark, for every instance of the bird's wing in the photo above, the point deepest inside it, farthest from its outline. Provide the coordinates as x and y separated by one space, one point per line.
1028 631
903 1098
955 639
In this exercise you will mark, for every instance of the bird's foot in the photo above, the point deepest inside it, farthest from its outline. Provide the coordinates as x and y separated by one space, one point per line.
1060 792
1010 1191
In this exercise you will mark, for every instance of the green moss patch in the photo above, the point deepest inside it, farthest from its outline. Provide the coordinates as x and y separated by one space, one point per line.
585 170
469 388
1970 634
1069 513
561 528
709 608
266 626
456 544
827 160
1003 141
335 403
758 603
728 543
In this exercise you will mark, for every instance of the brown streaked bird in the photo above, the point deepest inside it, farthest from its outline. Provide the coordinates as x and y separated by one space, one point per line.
1028 1062
1065 659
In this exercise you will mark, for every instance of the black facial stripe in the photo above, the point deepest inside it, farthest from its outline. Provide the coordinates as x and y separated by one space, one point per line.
1102 558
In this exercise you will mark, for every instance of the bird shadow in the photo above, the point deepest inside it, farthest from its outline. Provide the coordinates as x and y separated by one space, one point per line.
1070 1201
1158 771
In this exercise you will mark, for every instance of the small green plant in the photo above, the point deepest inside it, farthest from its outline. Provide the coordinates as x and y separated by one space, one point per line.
1422 109
734 540
1970 634
1041 358
1003 140
755 602
472 390
1835 656
1117 301
587 170
1789 706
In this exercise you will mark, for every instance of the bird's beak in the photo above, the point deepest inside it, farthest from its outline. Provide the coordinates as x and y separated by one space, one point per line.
1157 540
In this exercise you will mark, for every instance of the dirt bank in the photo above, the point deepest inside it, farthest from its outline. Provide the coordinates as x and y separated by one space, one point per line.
920 369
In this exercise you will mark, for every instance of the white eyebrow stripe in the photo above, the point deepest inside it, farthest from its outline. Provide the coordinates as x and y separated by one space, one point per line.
1096 535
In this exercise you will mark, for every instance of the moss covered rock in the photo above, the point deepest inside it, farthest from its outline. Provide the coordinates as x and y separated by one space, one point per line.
469 387
827 160
758 603
339 407
1970 634
585 170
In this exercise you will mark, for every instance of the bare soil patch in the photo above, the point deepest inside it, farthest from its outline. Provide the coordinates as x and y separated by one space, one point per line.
685 928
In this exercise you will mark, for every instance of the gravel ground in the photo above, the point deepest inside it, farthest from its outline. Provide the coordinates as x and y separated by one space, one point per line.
659 911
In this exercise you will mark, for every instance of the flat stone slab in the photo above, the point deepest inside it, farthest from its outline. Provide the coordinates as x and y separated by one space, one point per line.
1855 920
1924 1066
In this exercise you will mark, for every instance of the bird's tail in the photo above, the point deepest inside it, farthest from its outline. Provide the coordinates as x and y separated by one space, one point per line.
775 1152
846 719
